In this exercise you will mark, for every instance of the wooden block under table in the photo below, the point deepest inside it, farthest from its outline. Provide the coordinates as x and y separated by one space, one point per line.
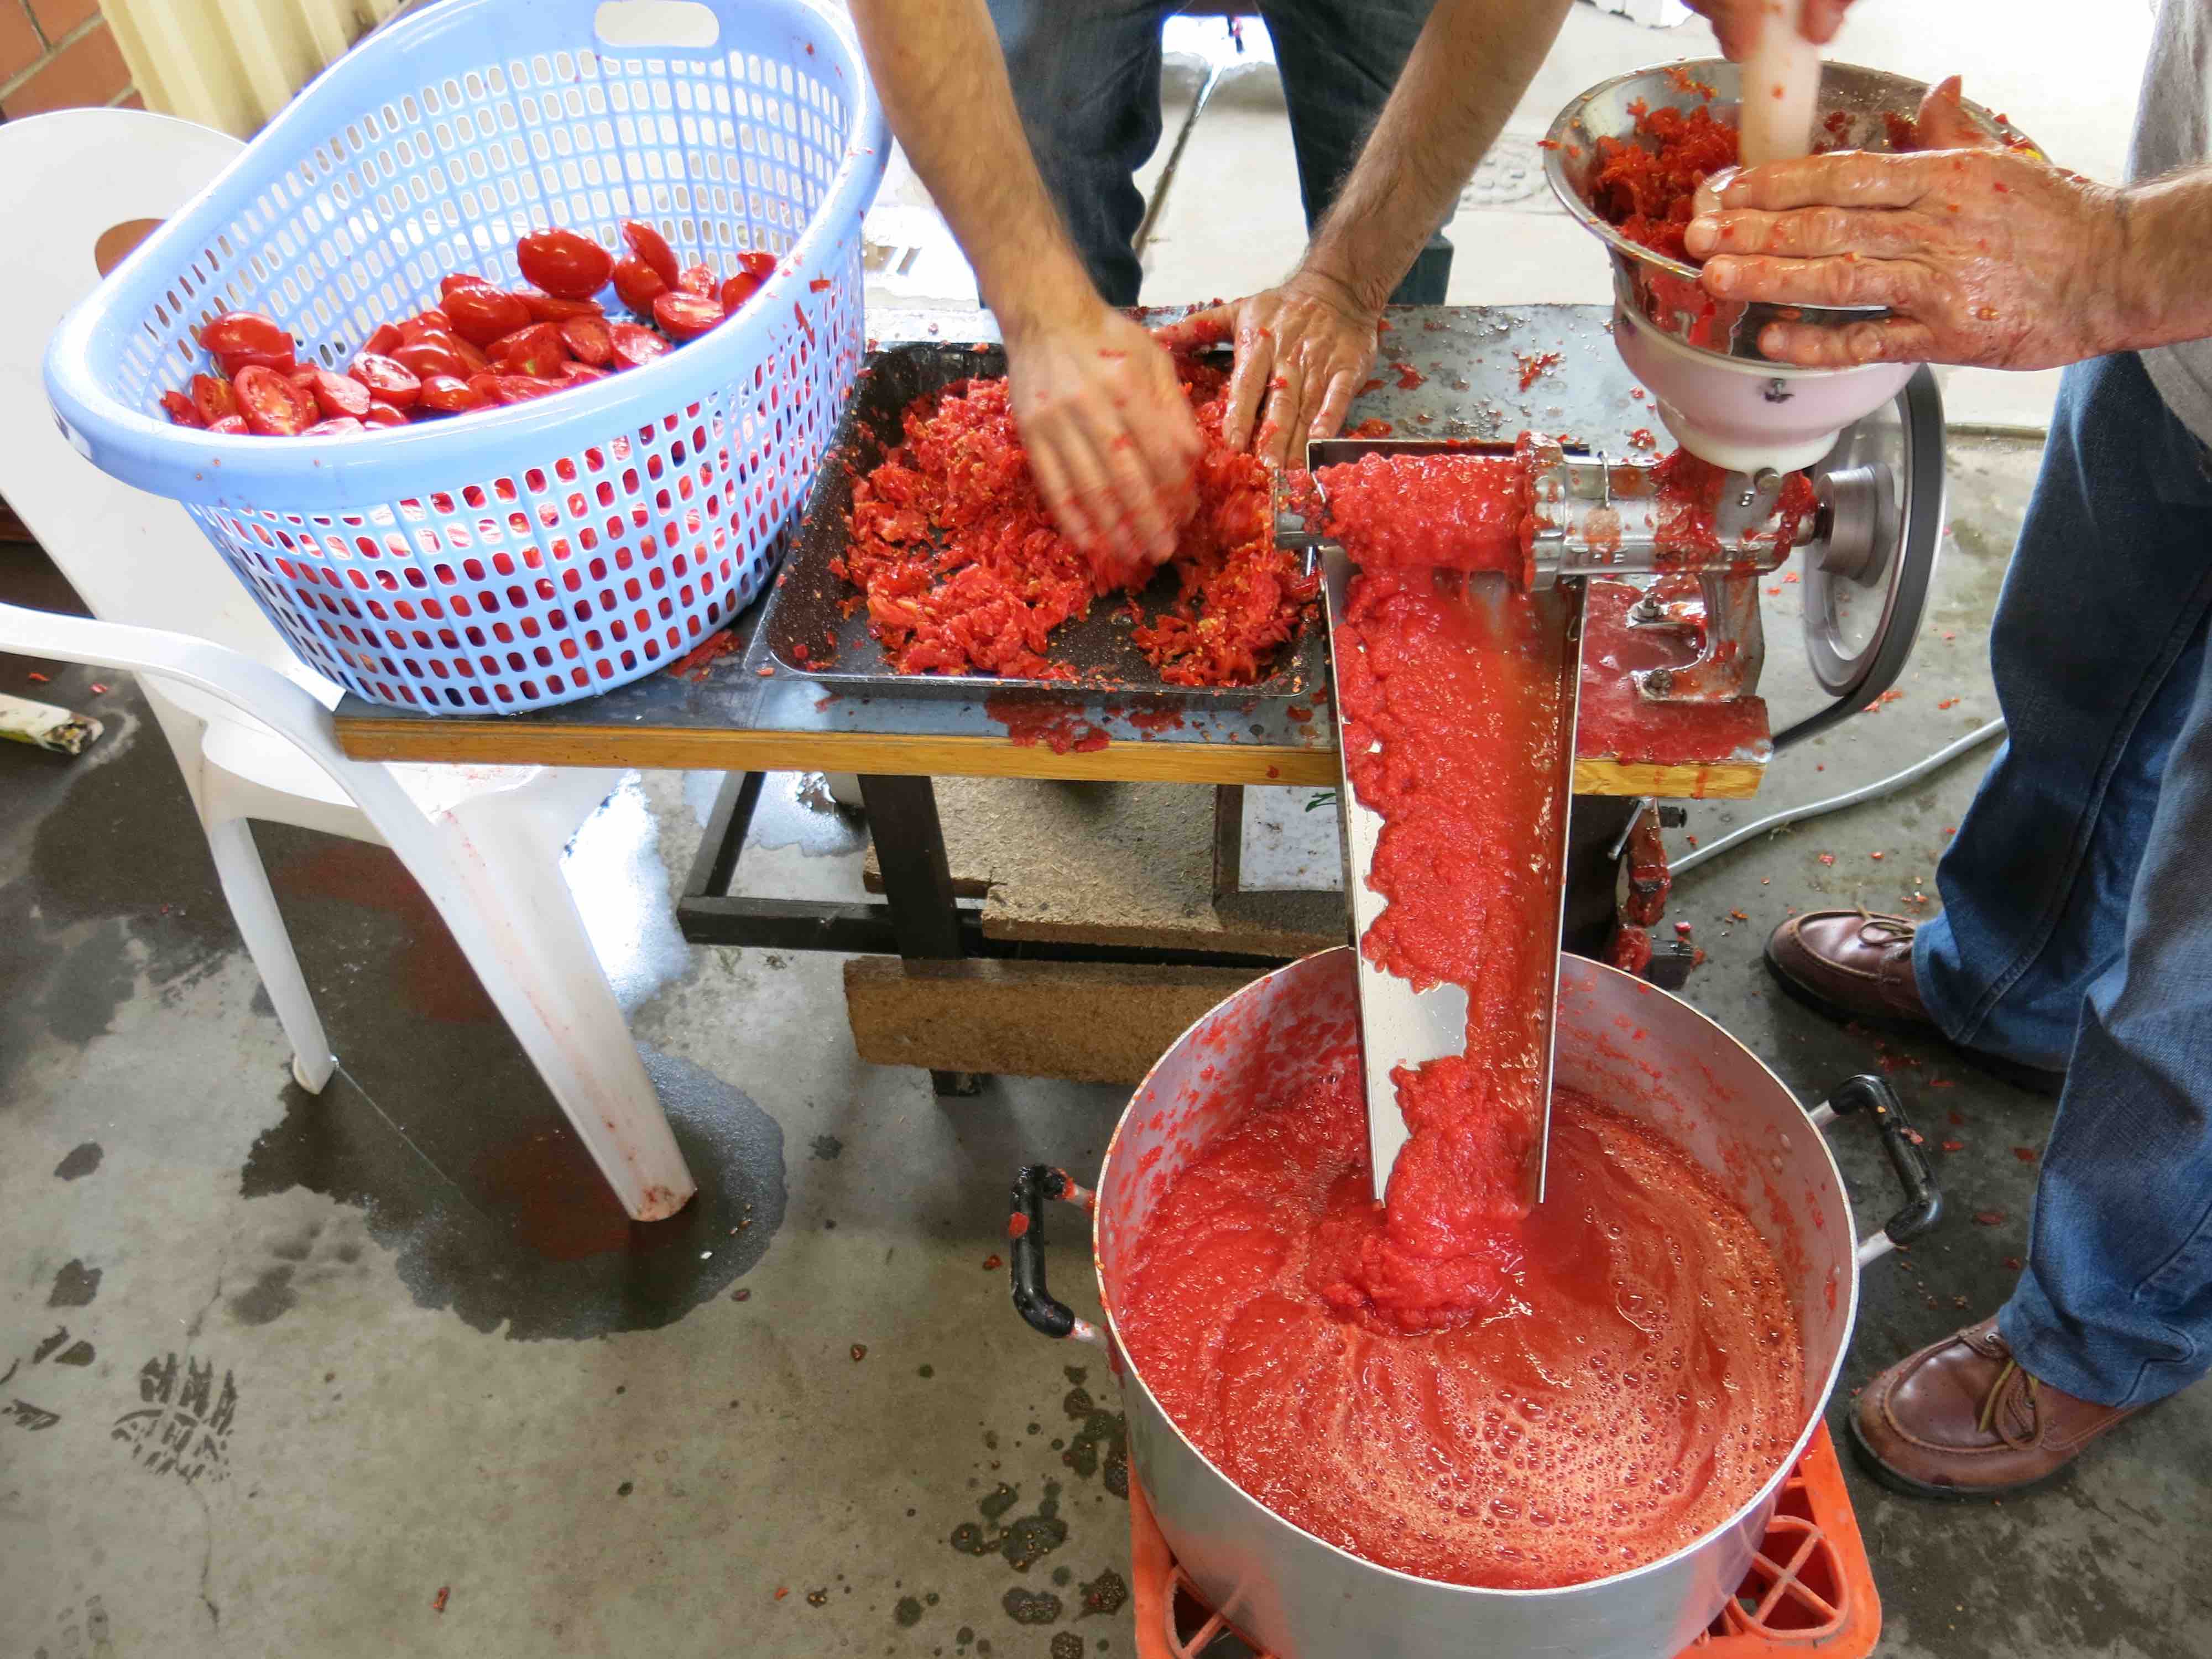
1086 1021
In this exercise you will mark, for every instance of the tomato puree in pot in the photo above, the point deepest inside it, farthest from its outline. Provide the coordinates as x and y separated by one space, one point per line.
1451 1383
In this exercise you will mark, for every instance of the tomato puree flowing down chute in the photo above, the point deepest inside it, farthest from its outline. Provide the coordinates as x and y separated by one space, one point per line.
1451 1383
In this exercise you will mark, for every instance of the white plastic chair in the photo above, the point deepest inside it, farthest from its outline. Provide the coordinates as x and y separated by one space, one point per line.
249 722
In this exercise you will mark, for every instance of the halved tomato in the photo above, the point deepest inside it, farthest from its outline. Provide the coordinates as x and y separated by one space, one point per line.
339 394
213 398
428 357
686 316
636 346
587 338
272 405
482 313
650 245
389 380
250 335
637 285
183 412
551 308
536 349
448 394
563 264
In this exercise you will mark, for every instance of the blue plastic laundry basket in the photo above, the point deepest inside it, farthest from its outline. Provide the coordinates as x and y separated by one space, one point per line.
534 555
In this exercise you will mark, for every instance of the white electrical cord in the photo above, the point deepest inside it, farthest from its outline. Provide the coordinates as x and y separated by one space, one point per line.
1888 786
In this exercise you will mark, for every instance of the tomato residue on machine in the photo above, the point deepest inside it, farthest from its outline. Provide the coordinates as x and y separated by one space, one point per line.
1648 190
1616 721
1453 1383
961 569
1442 512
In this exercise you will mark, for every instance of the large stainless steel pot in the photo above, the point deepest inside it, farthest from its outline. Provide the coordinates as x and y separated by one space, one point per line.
1623 1041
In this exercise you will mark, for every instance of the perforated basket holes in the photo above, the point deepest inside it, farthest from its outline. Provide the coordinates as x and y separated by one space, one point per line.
533 570
560 580
722 154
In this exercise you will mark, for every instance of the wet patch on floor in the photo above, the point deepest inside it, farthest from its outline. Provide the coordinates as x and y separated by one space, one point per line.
509 1224
81 1161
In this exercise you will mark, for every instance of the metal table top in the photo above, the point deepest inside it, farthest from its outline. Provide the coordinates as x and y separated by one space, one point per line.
1446 372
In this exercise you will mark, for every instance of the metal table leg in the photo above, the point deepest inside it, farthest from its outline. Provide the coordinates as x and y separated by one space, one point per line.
917 884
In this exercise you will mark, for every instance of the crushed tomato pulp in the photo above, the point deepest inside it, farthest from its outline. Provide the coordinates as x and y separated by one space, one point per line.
961 571
1453 1383
1646 186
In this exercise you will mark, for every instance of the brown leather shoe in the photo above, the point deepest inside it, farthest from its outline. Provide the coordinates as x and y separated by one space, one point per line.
1857 965
1961 1419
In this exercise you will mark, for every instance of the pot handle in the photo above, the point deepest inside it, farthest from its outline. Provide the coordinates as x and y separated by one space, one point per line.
1923 1201
1025 1230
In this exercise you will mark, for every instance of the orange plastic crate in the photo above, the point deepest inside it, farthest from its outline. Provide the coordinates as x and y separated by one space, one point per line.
1810 1588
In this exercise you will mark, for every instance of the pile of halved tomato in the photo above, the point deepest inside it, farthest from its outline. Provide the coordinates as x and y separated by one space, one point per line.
480 347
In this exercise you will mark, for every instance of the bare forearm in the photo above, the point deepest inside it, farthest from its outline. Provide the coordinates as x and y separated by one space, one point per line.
2159 277
943 80
1467 72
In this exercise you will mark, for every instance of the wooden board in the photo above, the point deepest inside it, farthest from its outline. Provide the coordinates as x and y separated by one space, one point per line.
511 743
1089 1022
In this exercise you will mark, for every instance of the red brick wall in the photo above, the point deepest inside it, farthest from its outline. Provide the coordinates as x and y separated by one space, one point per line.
59 54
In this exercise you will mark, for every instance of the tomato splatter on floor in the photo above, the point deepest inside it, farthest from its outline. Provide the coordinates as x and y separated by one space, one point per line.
963 571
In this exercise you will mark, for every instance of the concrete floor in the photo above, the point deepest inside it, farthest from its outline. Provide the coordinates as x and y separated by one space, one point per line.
385 1370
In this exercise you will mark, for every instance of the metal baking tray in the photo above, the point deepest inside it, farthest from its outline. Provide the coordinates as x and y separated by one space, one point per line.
807 602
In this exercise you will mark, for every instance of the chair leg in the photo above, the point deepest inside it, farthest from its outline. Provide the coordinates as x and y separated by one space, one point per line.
498 884
253 907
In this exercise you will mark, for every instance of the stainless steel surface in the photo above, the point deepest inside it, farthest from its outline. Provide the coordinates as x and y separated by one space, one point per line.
1665 289
1469 387
1402 1026
1570 596
1597 514
1866 589
1730 633
1305 1599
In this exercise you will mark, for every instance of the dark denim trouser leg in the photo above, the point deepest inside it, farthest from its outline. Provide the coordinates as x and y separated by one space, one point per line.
2094 650
2115 1304
1086 79
1339 59
2078 918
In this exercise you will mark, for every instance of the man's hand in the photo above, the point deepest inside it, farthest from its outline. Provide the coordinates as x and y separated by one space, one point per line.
1303 352
1737 22
1110 435
1985 256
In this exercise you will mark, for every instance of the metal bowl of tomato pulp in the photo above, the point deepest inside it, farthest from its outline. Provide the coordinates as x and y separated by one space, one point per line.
1855 112
1624 1041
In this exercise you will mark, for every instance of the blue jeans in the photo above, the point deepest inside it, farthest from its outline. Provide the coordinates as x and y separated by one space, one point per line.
2077 930
1086 78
